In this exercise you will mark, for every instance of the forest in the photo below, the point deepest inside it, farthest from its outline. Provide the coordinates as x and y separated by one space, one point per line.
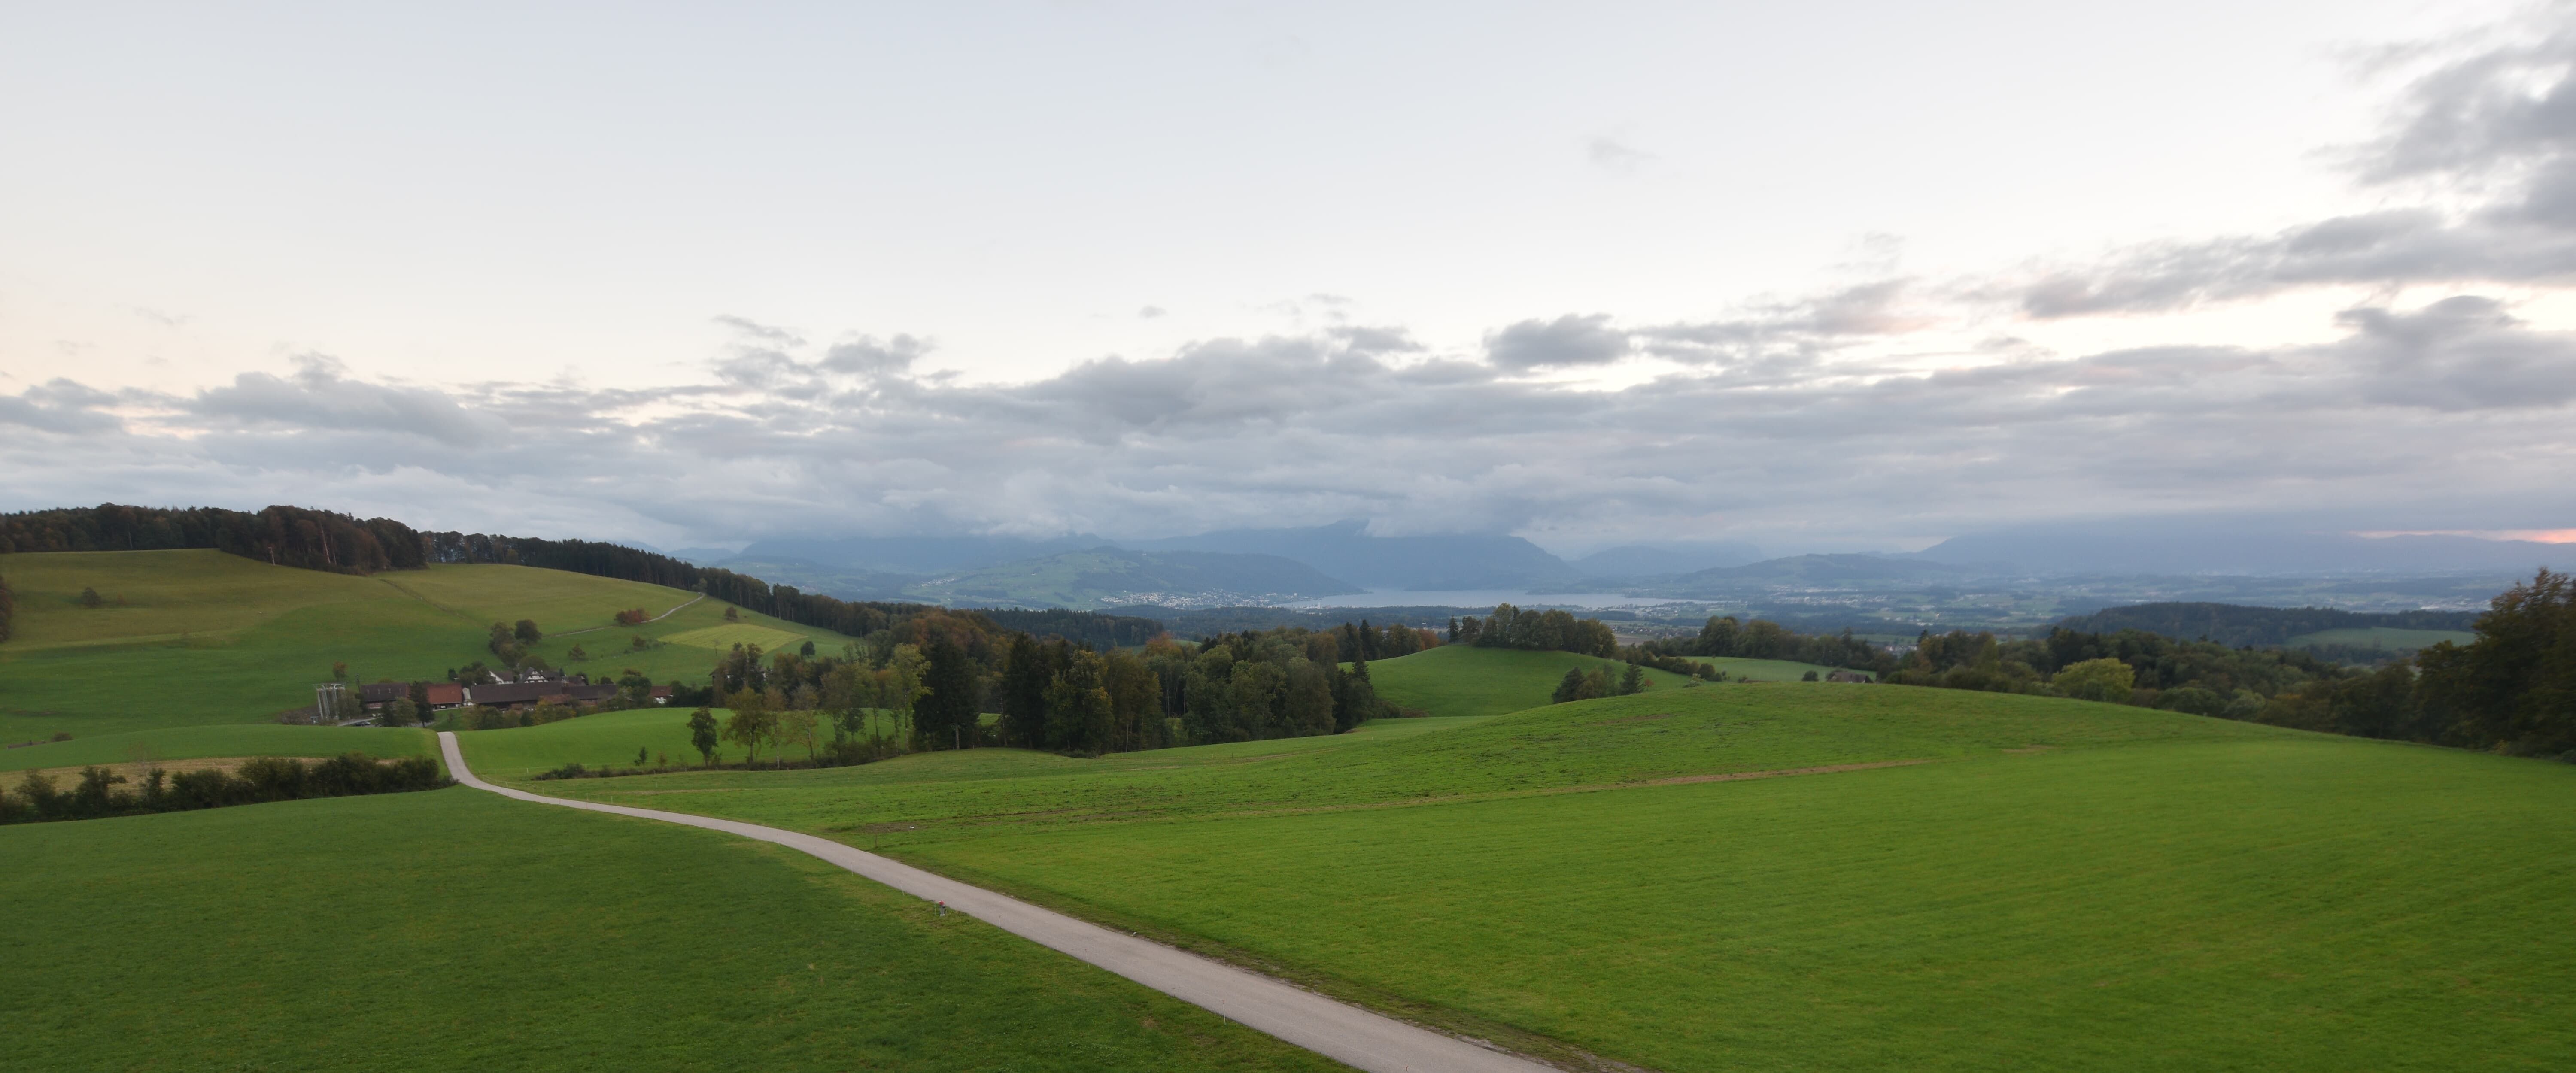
2236 625
2512 689
940 672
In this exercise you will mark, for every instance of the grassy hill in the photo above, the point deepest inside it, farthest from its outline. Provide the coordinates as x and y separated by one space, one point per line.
1465 680
454 930
2019 881
200 637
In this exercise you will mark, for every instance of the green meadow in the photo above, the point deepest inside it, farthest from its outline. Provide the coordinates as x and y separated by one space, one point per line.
2256 905
191 638
1766 875
1458 680
2013 882
1763 670
456 930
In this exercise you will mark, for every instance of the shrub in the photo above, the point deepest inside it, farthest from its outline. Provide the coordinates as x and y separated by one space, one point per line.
261 779
2105 679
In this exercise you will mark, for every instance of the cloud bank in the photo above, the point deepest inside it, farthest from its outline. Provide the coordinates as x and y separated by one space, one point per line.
1794 422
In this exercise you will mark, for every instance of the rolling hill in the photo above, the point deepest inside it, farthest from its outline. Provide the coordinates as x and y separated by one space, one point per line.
195 637
1798 876
454 930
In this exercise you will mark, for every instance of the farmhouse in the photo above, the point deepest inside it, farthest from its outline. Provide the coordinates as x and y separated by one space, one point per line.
530 689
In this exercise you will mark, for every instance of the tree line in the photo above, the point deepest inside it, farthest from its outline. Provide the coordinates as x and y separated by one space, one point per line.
2512 689
257 781
2237 626
284 536
1551 630
933 677
1764 639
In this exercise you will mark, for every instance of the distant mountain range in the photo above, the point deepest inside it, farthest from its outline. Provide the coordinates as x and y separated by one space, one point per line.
2179 552
1346 551
1275 565
1105 577
1649 560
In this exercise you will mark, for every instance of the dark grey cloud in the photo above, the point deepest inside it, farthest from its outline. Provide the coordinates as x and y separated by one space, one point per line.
870 356
60 406
320 394
1567 341
2446 415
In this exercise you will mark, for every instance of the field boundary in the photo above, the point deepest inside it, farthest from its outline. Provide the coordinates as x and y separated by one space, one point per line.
646 622
1329 1027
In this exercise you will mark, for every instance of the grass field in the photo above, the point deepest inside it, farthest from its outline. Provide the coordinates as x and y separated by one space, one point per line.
255 739
2382 637
208 638
2066 885
455 930
1454 680
723 638
1763 670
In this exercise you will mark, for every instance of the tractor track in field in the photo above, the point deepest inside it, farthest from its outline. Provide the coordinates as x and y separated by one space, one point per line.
1326 1026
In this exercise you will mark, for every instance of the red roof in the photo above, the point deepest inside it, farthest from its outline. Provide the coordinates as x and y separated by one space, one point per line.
445 693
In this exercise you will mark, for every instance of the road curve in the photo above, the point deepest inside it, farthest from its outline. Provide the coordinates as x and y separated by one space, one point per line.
1336 1030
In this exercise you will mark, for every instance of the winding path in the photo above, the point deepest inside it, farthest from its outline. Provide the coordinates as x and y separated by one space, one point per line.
1334 1029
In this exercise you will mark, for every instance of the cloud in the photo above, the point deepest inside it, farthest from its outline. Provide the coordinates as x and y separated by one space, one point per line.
869 356
1150 312
2488 142
1569 340
2446 415
1611 155
753 329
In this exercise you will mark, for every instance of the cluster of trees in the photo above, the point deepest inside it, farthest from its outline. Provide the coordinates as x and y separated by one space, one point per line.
260 780
935 676
2512 689
1558 631
1283 682
510 641
1764 639
2129 667
1581 685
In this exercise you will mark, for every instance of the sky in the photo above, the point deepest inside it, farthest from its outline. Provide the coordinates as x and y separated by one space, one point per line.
1836 276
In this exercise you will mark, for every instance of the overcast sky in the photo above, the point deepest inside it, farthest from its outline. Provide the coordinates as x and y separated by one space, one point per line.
1821 276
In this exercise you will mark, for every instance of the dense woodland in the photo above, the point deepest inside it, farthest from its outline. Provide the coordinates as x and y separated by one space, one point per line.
2236 626
2512 690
